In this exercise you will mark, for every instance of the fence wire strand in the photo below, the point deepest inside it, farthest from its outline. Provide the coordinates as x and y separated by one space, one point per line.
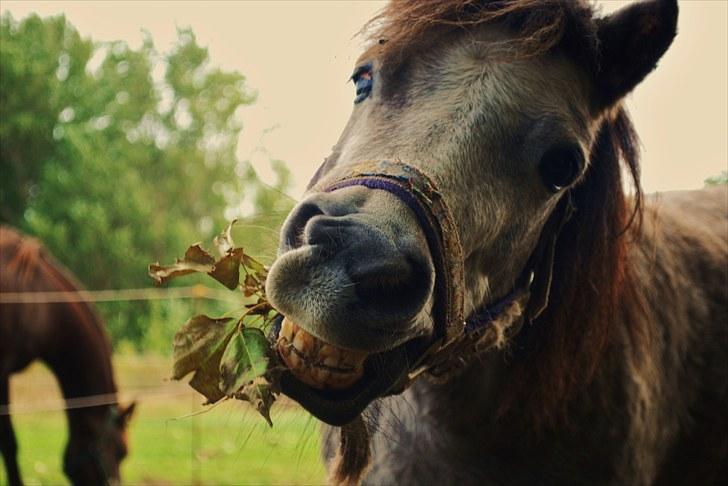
87 401
193 292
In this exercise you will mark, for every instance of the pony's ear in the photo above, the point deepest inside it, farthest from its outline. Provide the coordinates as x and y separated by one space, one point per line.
631 41
125 413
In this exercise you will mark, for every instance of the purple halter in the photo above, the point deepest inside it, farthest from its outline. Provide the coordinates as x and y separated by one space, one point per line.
416 190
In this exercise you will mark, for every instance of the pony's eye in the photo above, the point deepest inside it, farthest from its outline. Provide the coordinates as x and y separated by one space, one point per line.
560 166
363 80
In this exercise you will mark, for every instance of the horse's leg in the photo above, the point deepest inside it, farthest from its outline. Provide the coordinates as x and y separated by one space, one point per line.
8 445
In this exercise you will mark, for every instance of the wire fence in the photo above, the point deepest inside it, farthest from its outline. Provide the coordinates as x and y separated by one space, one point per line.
147 383
192 292
195 292
87 401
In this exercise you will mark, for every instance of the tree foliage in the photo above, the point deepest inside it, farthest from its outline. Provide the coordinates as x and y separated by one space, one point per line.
717 180
115 157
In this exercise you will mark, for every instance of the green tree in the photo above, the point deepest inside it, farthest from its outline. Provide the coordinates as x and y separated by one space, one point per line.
717 180
115 157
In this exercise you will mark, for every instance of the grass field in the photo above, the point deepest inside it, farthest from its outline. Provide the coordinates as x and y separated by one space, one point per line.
227 444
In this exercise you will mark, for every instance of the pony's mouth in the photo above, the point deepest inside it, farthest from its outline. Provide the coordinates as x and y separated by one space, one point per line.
336 384
316 363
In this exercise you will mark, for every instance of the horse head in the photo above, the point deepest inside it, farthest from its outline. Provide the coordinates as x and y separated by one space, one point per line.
97 444
478 129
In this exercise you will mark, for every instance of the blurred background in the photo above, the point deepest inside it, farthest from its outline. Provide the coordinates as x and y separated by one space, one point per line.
129 130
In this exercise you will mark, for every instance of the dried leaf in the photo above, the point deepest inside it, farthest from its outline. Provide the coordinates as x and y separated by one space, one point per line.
251 286
163 274
256 267
206 378
195 254
224 241
227 358
196 341
227 269
245 358
261 307
260 395
195 260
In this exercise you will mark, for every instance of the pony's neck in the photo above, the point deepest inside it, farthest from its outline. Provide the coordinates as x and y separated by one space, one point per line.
82 365
81 358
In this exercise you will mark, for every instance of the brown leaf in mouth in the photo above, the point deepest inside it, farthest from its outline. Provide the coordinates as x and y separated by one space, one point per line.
228 358
195 260
198 339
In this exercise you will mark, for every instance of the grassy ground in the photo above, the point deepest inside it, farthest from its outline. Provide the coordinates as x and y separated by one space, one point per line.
228 444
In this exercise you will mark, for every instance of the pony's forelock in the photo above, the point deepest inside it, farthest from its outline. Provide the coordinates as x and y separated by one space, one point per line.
538 25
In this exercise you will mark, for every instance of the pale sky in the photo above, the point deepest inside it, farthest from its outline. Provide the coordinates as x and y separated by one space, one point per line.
298 55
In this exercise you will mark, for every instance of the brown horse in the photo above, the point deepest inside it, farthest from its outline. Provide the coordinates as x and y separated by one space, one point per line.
506 311
69 337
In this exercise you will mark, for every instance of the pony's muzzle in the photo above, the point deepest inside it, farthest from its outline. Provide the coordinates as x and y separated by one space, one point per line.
354 269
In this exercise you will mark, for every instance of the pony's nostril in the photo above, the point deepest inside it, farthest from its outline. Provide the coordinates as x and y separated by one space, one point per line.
377 287
398 290
327 230
296 224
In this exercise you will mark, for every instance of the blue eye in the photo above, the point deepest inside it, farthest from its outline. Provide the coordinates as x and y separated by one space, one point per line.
363 81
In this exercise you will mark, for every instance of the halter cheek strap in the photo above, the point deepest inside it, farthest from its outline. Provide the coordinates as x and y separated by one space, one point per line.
457 340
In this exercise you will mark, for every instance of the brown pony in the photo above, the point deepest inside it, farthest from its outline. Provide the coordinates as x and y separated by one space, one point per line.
69 337
490 297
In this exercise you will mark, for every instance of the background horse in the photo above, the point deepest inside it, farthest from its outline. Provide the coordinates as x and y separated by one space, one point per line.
592 346
69 337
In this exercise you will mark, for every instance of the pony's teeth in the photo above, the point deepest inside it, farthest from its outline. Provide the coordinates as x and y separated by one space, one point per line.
320 375
304 342
315 362
286 330
328 351
332 362
294 361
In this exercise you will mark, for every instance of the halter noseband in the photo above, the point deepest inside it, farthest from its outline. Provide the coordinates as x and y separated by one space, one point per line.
457 340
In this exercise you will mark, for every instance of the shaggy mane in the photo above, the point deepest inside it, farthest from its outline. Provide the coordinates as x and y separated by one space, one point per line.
592 292
561 351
